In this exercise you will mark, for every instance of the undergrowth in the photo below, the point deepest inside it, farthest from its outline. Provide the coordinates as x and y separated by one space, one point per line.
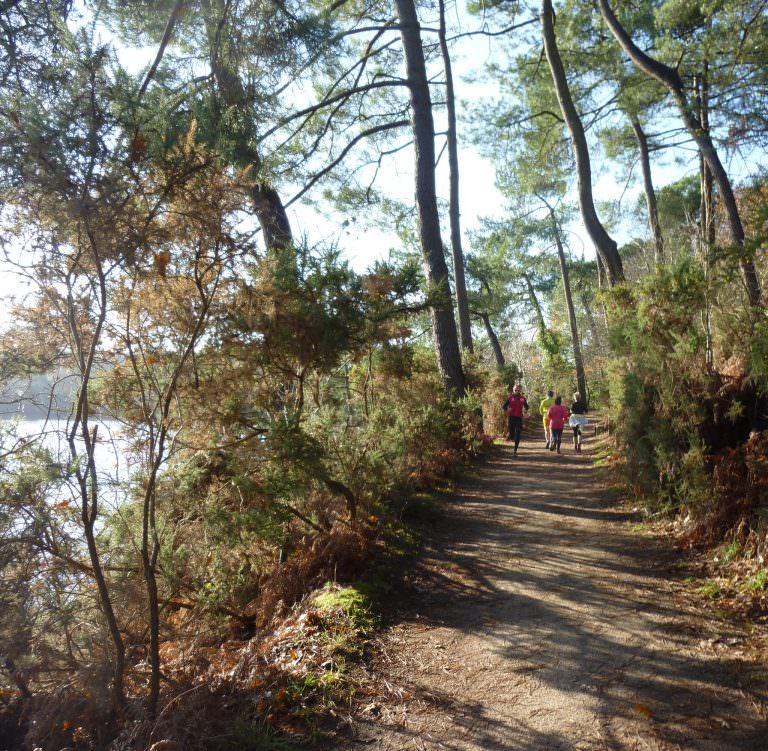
690 424
288 685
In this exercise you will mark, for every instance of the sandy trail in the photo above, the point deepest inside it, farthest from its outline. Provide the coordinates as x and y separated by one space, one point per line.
539 620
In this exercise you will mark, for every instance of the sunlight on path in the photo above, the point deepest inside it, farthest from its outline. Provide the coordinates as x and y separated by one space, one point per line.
540 621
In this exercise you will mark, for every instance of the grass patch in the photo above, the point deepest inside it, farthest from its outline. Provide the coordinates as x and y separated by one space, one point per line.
730 552
300 687
348 617
349 599
422 506
257 736
711 590
759 582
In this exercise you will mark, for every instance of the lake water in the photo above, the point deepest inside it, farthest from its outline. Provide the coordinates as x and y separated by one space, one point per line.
114 463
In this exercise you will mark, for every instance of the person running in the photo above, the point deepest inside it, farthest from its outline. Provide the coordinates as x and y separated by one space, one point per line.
558 414
515 405
578 420
543 410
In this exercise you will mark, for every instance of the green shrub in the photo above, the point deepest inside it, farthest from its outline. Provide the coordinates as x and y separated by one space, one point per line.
656 380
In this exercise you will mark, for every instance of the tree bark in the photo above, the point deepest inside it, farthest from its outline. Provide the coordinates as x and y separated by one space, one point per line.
85 473
605 245
462 304
706 220
707 199
650 193
536 305
494 340
670 78
581 379
589 314
601 276
707 207
267 205
436 271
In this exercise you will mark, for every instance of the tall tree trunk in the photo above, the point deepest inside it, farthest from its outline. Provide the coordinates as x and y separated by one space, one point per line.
498 355
436 271
589 314
89 512
170 27
601 276
650 193
462 304
605 245
706 218
150 549
670 78
86 475
707 207
701 86
150 541
536 305
581 378
266 201
271 214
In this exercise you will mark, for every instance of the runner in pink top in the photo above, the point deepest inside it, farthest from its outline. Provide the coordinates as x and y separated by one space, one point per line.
514 406
558 414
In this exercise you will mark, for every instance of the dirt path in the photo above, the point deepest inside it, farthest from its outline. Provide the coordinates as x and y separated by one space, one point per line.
540 620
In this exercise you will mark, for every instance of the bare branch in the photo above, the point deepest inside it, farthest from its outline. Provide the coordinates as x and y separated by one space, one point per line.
332 100
174 17
359 137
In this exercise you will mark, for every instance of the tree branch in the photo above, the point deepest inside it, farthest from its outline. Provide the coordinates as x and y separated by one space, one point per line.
167 34
332 100
359 137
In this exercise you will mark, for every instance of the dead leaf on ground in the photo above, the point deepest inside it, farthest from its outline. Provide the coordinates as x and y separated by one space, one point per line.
644 710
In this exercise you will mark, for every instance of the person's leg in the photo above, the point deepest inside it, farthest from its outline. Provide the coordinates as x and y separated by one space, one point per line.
517 426
547 433
578 439
558 438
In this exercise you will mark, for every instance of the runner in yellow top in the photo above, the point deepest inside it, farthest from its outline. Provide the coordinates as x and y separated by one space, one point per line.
543 410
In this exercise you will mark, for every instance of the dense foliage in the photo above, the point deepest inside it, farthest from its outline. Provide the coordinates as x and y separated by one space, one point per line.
234 416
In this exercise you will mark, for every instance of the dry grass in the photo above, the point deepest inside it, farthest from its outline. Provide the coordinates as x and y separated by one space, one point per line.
339 555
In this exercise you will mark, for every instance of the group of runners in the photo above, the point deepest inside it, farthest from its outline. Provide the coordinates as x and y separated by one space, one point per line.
555 416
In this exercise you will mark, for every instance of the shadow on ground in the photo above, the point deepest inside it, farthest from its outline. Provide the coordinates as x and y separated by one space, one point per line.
539 620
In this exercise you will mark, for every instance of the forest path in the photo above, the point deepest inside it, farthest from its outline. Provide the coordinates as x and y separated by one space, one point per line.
538 620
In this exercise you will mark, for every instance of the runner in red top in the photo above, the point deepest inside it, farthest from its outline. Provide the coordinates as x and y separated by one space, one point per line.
515 405
557 414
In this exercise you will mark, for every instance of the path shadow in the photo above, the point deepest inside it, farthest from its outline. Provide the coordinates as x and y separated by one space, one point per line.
538 562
